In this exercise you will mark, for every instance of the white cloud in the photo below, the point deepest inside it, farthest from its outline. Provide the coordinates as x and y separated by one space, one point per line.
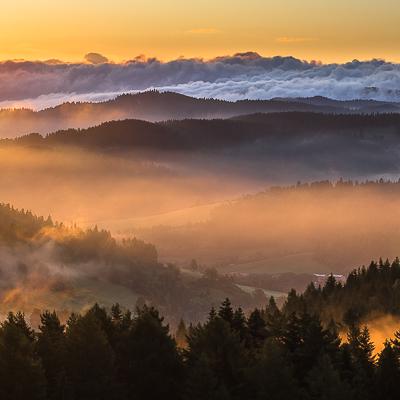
244 75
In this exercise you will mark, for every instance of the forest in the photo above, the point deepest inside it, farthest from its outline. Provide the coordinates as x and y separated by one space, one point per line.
47 264
153 106
199 200
316 344
267 353
216 134
131 305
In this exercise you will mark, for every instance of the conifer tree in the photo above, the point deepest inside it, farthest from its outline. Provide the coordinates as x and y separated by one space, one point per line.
324 382
52 352
388 374
21 372
151 366
89 360
257 328
225 311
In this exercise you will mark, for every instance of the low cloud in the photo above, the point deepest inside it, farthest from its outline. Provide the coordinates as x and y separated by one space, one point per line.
241 76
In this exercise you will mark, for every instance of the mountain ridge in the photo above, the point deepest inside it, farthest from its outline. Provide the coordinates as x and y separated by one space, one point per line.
202 134
154 106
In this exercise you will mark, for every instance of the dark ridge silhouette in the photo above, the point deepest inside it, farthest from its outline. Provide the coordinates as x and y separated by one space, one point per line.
285 353
202 134
154 106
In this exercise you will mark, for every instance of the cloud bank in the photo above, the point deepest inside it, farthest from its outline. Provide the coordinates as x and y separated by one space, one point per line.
242 76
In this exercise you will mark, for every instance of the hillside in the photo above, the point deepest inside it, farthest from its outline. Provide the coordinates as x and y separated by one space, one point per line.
274 147
46 265
321 227
203 134
368 293
155 106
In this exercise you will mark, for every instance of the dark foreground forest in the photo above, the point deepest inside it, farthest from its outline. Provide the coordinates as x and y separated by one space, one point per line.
297 352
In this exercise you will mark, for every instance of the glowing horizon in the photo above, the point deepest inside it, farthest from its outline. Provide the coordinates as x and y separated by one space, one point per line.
122 29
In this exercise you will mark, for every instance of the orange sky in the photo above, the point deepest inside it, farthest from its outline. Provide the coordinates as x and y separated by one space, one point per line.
324 30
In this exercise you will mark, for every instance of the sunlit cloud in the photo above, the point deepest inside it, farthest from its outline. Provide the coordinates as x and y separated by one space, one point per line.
245 75
95 58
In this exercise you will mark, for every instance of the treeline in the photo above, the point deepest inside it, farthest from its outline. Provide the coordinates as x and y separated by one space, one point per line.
268 354
74 244
368 292
95 254
216 134
20 225
297 228
156 106
382 184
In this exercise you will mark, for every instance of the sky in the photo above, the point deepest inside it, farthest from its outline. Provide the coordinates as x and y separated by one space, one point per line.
328 31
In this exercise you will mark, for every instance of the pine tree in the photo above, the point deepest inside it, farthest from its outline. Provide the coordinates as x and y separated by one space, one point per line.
274 319
324 382
212 314
271 375
291 336
257 329
21 373
294 303
388 374
150 367
225 311
330 286
239 323
314 342
51 349
361 349
215 361
89 360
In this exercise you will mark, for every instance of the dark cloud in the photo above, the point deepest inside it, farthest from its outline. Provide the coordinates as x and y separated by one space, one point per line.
244 75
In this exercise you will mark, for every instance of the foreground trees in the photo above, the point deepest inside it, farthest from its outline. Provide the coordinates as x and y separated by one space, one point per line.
266 354
21 372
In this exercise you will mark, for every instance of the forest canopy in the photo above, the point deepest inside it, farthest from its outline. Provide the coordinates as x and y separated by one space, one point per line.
47 264
119 355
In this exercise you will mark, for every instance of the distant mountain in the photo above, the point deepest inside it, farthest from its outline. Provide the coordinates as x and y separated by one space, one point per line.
274 147
154 106
278 131
353 106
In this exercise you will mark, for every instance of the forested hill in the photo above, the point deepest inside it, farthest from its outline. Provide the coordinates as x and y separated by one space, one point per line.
265 354
192 134
156 106
281 354
320 227
46 265
19 227
369 292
